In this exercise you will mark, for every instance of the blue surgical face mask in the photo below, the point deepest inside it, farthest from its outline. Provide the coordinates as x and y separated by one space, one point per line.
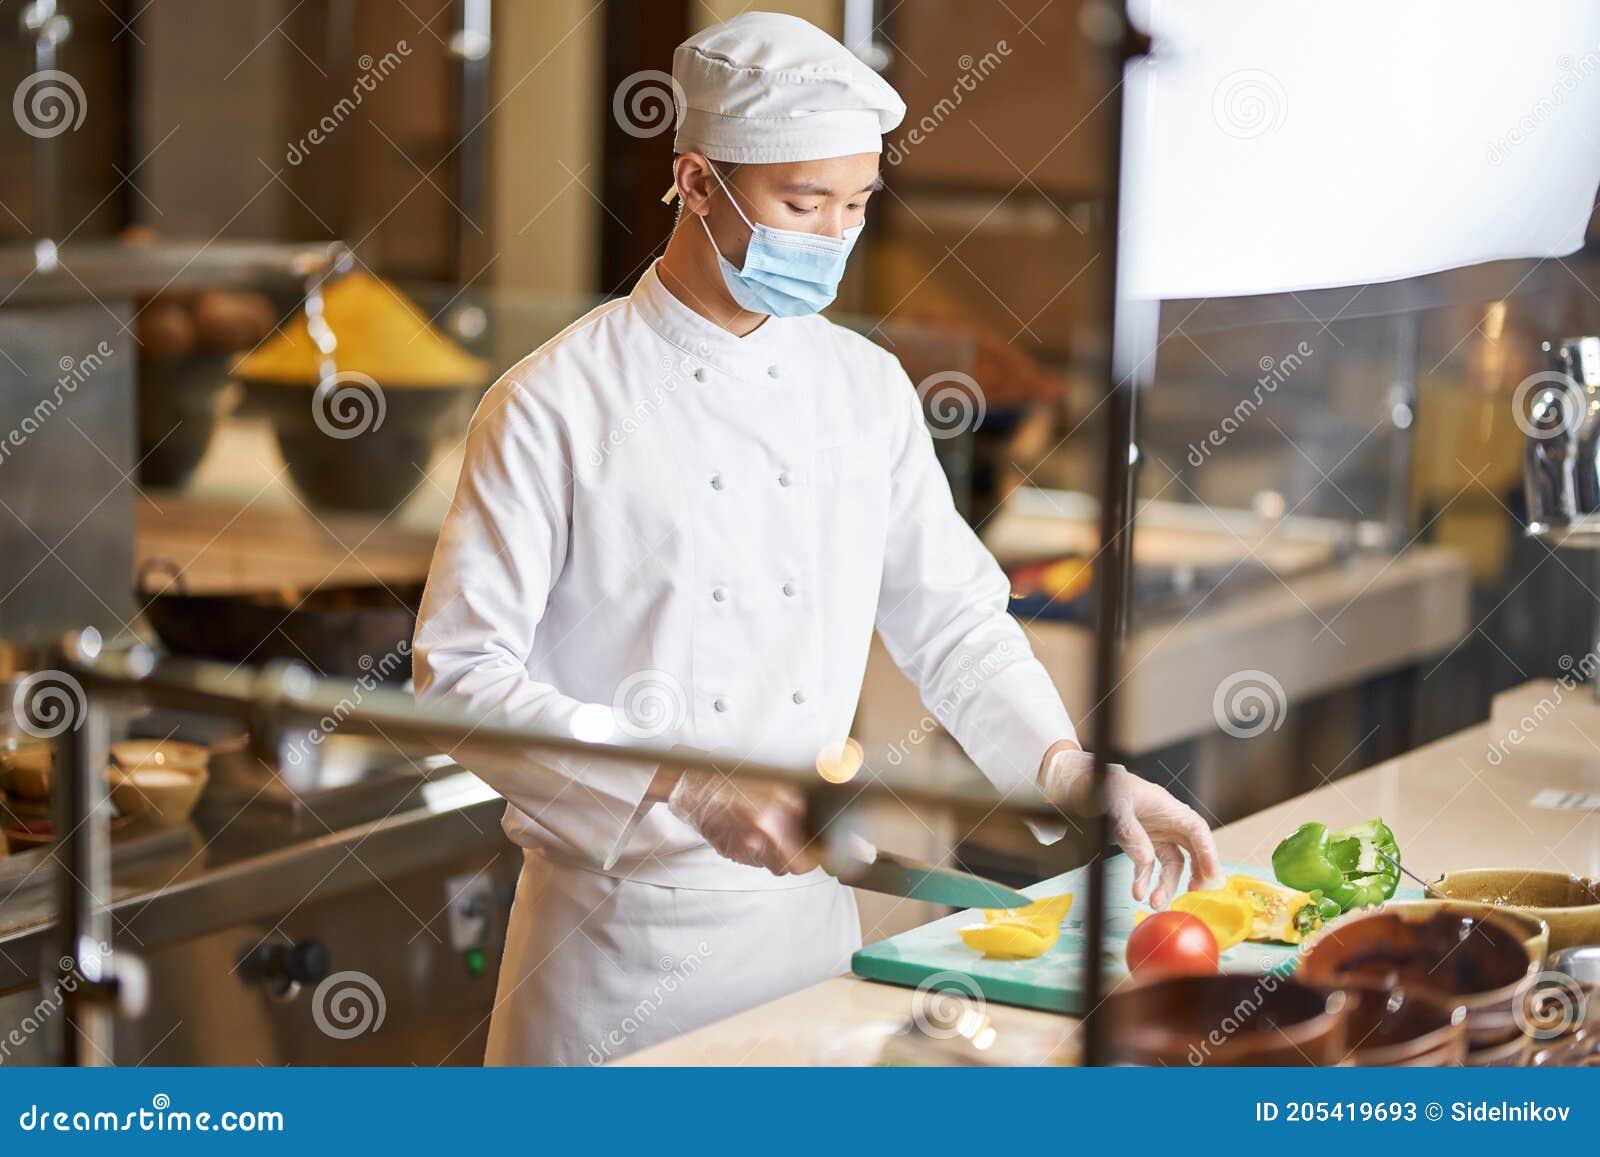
786 273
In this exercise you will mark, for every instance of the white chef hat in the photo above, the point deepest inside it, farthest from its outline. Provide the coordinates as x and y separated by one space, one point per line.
763 88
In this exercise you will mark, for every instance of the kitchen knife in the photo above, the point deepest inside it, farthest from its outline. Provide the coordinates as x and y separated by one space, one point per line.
893 875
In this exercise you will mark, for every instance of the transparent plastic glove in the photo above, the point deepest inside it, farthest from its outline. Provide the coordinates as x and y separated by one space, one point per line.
748 821
1150 824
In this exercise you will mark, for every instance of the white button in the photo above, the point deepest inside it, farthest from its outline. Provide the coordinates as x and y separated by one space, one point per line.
720 594
716 482
772 371
785 480
799 696
719 704
789 589
700 374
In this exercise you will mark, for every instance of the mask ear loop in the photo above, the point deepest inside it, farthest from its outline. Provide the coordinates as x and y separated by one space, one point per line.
731 199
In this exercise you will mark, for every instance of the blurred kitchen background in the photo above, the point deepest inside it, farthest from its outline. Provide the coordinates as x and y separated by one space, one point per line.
1330 563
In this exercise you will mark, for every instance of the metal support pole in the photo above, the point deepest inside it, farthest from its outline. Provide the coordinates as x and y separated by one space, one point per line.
82 817
1107 23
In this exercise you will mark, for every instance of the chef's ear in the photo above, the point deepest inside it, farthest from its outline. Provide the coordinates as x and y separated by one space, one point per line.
694 180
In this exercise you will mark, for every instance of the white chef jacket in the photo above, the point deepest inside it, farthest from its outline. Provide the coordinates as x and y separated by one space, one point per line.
691 535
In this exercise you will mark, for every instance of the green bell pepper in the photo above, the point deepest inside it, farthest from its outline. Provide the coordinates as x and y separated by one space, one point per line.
1344 866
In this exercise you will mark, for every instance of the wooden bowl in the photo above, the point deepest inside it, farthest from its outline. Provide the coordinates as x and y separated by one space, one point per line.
1535 932
1477 961
27 770
1225 1019
1393 1027
1569 904
1513 1053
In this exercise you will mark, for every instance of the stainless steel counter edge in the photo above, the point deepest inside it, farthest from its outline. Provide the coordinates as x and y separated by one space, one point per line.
267 884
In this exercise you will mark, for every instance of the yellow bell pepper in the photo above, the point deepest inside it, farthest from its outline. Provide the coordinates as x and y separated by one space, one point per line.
1228 914
1019 933
1277 913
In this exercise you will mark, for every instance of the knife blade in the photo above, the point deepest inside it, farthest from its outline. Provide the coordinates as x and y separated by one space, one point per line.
895 875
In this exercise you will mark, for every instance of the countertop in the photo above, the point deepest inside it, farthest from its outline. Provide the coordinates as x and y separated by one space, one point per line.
1464 801
246 848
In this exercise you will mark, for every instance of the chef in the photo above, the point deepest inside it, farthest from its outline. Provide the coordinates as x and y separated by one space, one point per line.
680 520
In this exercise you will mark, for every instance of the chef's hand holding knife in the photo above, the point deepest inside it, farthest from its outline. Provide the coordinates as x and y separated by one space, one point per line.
763 824
1152 826
750 821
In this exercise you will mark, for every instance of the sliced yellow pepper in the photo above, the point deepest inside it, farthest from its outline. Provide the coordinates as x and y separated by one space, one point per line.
1277 913
1019 933
1228 914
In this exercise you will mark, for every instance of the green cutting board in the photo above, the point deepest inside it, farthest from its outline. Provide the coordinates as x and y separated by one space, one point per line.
934 956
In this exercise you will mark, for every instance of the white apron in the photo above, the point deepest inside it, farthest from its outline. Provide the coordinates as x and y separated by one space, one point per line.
597 967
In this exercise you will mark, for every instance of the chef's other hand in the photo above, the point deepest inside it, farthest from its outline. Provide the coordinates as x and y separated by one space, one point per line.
750 821
1151 825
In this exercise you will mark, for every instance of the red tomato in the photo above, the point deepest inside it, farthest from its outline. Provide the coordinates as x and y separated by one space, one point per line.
1172 944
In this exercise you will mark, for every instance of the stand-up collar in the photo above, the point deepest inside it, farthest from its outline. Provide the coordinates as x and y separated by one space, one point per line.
758 356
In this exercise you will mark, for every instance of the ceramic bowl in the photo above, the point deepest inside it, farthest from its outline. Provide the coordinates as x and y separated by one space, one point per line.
1535 932
27 770
1480 962
160 780
1390 1027
1225 1019
1570 905
132 754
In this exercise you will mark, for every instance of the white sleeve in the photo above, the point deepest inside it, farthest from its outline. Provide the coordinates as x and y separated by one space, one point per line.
943 619
500 549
